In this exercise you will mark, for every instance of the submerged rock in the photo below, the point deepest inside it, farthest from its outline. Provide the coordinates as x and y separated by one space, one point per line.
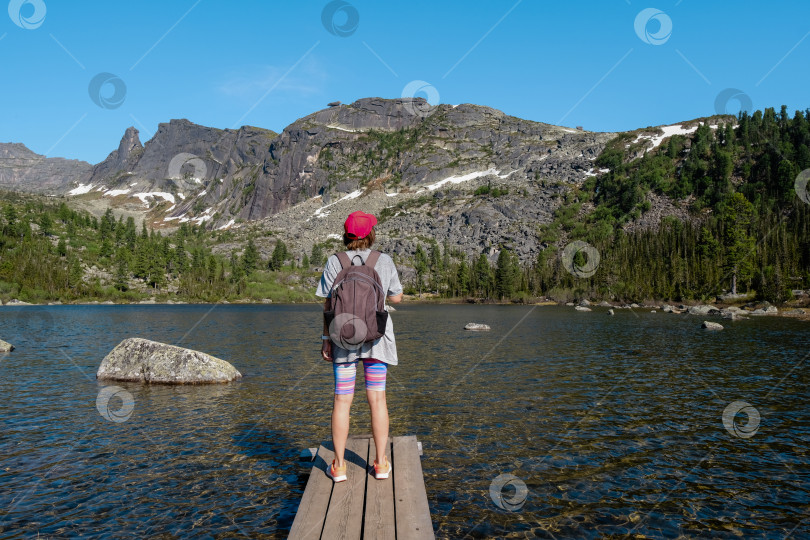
582 308
5 346
708 325
142 360
476 326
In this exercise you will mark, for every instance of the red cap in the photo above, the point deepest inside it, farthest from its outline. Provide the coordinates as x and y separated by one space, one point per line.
359 224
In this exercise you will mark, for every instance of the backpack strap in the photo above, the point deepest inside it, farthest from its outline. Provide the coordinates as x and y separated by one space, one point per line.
372 258
344 259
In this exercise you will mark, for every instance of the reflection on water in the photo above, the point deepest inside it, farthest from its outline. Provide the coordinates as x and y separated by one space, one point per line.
614 424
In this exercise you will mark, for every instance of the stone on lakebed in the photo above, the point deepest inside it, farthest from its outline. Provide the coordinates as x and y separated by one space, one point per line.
142 360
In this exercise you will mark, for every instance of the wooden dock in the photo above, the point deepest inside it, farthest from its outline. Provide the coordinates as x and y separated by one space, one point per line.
362 506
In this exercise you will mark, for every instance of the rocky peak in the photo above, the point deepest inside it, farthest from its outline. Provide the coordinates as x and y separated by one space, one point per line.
25 170
17 150
130 143
370 113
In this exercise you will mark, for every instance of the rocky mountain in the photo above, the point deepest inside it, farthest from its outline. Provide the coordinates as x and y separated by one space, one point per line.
467 174
24 170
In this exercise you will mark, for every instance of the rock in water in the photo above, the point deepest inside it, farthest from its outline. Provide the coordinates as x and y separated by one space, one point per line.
610 312
6 347
703 310
582 308
708 325
142 360
476 326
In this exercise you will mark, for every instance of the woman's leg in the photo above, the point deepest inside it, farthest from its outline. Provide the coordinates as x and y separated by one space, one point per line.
344 392
375 373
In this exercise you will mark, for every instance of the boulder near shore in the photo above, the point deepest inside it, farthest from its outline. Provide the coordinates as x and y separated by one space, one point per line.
5 346
142 360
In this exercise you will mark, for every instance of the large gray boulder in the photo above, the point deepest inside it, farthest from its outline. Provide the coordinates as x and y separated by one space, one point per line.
703 310
142 360
5 346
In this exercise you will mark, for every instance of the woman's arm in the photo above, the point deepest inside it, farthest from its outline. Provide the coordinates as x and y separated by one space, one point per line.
326 348
394 299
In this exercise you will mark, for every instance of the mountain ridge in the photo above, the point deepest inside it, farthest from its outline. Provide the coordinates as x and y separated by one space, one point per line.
465 174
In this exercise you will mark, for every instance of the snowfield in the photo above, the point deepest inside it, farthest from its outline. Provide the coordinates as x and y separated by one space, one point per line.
465 178
320 212
669 131
81 190
143 196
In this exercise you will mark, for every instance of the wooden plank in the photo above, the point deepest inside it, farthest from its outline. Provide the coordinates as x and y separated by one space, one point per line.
344 518
379 520
312 510
410 497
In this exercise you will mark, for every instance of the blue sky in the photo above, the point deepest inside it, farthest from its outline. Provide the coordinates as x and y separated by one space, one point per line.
264 63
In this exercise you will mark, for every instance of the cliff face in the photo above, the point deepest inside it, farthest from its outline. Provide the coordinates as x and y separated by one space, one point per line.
405 143
24 170
120 160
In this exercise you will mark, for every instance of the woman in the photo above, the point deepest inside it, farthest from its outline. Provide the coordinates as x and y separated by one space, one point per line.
376 356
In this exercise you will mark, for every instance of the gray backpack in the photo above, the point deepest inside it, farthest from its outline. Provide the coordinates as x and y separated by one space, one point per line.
358 313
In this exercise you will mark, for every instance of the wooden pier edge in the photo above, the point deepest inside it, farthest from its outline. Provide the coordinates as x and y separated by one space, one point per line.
362 506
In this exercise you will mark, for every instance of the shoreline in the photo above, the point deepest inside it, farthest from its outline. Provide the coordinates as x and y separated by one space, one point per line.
801 312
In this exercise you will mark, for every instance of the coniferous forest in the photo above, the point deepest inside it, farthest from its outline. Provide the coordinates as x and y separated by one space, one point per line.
747 231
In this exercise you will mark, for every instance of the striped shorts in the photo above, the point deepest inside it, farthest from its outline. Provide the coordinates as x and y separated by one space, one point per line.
374 372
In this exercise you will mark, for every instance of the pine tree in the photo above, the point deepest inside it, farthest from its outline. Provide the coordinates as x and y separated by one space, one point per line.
482 272
46 223
421 266
463 276
250 258
507 274
121 270
317 255
61 247
236 267
179 257
75 272
736 213
280 255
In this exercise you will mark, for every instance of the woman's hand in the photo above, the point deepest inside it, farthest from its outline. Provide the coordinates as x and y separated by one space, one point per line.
326 350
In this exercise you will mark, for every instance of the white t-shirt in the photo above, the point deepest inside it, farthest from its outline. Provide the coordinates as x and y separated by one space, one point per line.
383 349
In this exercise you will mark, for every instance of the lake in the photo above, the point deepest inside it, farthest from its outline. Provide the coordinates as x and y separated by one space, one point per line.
581 424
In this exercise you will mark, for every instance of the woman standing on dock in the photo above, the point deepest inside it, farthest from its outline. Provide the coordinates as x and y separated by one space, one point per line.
376 355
